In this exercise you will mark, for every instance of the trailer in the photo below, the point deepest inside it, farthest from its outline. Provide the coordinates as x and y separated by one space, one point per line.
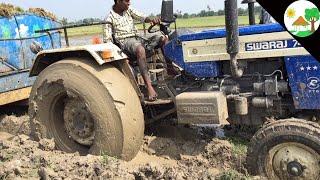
17 34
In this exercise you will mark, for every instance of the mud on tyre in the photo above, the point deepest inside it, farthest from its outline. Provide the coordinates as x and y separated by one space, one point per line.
286 149
87 108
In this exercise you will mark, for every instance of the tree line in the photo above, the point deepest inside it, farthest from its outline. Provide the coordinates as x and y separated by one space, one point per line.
210 12
179 13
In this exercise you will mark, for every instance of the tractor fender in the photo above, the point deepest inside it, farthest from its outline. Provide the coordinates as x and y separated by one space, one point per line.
89 52
47 57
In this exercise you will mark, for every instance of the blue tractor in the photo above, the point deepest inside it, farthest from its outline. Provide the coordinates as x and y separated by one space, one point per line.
90 99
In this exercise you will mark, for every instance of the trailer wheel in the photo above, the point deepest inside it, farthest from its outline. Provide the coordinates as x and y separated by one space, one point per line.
286 149
87 108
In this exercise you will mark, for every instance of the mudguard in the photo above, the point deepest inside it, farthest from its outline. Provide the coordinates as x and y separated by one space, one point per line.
48 57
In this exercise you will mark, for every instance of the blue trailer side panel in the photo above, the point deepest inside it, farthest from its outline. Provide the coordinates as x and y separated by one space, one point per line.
16 81
10 44
8 28
10 53
16 58
304 80
28 24
44 40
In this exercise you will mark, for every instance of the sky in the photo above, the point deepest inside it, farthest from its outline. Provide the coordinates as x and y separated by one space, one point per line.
80 9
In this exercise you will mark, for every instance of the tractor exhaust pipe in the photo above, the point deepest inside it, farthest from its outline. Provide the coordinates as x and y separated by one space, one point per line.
231 14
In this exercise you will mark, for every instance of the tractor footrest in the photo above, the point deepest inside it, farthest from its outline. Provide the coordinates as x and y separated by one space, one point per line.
158 102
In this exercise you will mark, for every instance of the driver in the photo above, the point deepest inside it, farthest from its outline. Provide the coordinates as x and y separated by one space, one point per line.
123 30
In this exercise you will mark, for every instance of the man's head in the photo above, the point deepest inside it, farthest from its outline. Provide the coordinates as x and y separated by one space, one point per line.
122 4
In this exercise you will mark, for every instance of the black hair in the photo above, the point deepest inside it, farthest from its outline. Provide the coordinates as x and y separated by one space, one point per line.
115 1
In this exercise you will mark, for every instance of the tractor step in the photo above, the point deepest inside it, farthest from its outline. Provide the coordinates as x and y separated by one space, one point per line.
159 102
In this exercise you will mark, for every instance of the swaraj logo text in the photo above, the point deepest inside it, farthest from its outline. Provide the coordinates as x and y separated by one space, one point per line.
269 45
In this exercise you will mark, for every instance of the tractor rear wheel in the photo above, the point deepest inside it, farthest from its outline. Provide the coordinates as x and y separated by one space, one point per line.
87 108
286 149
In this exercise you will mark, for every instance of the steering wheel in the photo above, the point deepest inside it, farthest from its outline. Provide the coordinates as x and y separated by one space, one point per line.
151 30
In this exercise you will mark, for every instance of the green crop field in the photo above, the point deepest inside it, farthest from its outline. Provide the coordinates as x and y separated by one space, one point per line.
198 22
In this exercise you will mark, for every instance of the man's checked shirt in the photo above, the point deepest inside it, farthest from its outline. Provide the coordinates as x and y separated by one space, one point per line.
122 26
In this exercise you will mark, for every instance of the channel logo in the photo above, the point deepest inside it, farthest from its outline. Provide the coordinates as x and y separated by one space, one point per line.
302 18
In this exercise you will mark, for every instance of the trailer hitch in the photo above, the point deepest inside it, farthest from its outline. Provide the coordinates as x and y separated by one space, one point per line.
232 36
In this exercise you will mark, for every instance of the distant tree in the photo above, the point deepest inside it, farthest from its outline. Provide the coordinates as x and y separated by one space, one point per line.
192 15
203 13
152 15
257 10
312 15
89 20
64 21
85 21
220 12
242 12
179 13
210 13
185 16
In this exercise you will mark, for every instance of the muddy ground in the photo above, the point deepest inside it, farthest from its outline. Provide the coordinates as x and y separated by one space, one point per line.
168 152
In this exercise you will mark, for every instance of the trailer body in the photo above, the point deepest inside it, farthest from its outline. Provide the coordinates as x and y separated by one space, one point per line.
16 35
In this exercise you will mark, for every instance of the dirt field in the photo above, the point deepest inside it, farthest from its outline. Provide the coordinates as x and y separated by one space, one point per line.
168 152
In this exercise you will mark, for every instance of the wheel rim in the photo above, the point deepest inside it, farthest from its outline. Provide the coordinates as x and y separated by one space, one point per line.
78 122
293 160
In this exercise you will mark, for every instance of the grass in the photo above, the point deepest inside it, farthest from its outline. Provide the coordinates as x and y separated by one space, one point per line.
105 158
239 145
197 22
233 175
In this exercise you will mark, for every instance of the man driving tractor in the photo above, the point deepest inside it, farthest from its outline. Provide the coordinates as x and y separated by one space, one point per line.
122 30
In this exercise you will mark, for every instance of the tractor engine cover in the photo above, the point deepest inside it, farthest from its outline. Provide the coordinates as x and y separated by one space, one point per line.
202 108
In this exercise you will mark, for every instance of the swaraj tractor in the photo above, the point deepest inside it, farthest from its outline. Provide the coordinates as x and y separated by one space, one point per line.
90 99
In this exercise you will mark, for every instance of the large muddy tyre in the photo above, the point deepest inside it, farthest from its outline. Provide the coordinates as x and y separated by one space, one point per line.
87 108
286 149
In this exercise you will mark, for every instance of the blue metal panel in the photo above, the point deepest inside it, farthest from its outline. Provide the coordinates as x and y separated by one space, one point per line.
8 28
173 51
4 68
245 30
28 24
16 81
16 35
9 47
44 40
10 51
304 79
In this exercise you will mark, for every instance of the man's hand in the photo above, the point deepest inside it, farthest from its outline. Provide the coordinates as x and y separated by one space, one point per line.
155 21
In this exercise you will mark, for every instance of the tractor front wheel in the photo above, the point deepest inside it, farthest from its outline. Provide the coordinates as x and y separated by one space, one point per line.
286 149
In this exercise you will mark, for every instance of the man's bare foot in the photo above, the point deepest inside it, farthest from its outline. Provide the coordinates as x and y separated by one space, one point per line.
152 95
